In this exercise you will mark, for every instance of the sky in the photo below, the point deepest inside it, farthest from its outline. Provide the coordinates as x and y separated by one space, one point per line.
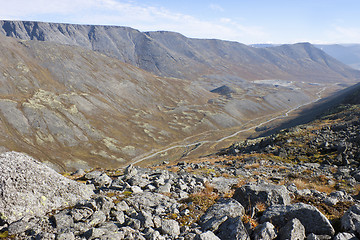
245 21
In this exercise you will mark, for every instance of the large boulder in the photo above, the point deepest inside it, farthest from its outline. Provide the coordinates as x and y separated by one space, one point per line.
251 194
29 188
311 218
350 221
219 212
231 229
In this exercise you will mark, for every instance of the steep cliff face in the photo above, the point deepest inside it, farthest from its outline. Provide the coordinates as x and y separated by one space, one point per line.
174 55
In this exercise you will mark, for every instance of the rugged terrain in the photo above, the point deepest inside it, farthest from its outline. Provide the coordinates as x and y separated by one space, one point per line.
302 182
73 107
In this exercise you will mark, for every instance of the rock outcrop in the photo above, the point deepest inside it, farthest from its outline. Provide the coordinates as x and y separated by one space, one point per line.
29 188
311 218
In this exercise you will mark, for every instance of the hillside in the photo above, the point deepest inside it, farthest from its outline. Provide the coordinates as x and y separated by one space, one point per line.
77 108
346 53
174 55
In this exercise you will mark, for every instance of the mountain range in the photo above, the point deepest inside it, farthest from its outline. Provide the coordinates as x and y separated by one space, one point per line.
346 53
171 54
81 96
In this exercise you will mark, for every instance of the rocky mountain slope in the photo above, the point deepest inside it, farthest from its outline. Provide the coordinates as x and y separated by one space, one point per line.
290 185
174 55
70 106
346 53
74 107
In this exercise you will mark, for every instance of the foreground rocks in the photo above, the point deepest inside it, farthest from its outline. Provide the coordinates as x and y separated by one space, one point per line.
28 188
139 203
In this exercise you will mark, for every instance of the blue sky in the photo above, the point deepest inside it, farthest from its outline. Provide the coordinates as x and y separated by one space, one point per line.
246 21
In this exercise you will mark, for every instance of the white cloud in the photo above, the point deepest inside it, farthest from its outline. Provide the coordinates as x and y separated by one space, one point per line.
129 13
216 7
341 34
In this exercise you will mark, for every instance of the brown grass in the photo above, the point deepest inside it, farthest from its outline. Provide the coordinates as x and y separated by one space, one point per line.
260 206
248 219
252 166
320 186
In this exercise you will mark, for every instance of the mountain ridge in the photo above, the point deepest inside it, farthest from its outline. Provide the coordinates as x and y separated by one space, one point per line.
174 55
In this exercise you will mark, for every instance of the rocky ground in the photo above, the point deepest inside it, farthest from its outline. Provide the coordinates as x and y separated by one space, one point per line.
301 183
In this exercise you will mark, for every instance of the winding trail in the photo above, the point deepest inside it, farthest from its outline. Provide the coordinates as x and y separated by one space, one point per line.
199 143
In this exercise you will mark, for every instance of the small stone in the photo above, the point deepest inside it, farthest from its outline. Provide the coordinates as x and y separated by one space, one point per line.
165 188
19 226
78 173
136 189
102 181
207 236
293 230
122 206
265 231
81 214
130 171
63 221
66 236
92 175
118 215
171 227
97 218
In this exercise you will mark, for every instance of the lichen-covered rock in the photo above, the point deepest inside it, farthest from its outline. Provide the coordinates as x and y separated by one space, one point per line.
311 218
171 227
28 188
219 212
251 194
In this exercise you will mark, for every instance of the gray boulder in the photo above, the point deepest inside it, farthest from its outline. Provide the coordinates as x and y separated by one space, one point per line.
265 231
39 187
231 229
251 194
350 221
171 227
130 171
313 220
207 236
222 184
149 200
219 212
66 236
293 230
63 221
